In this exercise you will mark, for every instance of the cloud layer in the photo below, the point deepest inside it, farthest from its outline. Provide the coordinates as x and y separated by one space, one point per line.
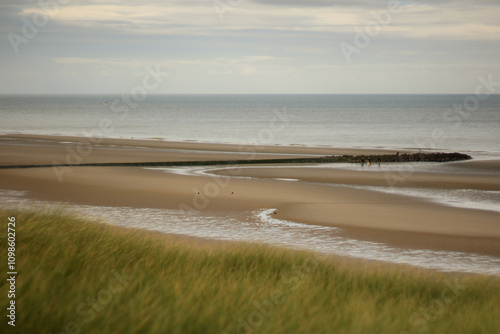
243 46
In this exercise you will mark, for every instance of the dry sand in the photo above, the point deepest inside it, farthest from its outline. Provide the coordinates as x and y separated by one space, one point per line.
397 220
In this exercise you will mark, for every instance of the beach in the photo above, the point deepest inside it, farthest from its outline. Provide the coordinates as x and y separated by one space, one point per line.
250 167
306 194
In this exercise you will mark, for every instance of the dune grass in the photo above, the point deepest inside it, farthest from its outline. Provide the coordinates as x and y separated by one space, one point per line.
80 276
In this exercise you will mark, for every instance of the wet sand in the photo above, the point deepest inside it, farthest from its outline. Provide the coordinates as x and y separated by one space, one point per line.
39 149
362 214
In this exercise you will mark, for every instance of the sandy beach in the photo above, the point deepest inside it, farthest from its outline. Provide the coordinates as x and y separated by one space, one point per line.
318 195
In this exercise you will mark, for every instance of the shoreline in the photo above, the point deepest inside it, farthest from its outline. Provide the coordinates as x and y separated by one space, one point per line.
361 214
221 146
206 146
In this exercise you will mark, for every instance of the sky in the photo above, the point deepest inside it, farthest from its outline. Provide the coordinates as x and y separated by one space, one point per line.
248 46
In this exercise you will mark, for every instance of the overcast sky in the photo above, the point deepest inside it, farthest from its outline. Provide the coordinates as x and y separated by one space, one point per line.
248 46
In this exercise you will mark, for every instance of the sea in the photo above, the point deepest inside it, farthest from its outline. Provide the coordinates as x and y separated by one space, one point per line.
461 123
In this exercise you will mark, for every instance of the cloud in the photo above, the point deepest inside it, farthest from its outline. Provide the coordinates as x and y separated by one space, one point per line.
365 3
259 45
254 18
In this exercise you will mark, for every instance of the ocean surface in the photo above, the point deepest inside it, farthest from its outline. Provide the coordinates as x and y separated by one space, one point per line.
438 122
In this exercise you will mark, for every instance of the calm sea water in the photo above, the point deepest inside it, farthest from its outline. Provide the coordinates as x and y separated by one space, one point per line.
383 121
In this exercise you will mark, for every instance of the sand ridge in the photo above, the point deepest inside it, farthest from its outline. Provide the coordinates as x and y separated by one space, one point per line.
362 213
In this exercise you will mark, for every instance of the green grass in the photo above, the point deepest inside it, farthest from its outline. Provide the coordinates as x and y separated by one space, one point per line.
77 276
